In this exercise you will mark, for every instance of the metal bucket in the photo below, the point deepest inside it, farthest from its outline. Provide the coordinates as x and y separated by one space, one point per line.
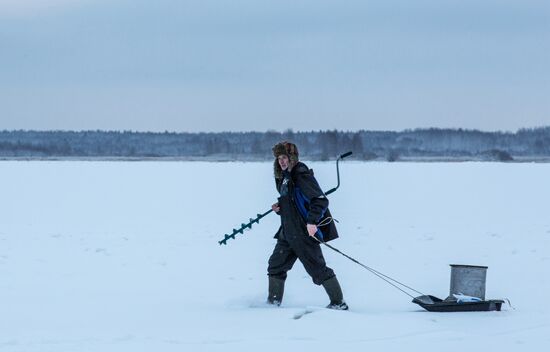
468 280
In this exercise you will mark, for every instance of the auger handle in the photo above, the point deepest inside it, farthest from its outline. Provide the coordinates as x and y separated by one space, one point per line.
345 155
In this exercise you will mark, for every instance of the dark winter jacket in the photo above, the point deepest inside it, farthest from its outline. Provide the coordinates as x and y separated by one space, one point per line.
303 202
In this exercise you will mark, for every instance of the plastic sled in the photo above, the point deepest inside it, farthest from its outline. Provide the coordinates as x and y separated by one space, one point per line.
434 304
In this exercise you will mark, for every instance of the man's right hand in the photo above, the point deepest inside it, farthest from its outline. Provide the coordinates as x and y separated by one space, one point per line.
275 207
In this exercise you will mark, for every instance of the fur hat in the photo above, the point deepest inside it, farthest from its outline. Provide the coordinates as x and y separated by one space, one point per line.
284 148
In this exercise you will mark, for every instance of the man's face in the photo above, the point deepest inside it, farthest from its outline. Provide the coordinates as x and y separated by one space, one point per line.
283 161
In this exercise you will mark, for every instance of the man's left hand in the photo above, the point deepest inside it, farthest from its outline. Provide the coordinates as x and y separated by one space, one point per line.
311 229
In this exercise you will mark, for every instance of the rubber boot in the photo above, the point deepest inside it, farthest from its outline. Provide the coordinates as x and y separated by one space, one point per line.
332 286
276 290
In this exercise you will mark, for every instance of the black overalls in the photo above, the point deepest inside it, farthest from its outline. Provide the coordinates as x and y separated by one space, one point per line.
293 242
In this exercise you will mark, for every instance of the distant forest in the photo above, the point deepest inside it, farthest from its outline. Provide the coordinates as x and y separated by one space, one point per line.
423 144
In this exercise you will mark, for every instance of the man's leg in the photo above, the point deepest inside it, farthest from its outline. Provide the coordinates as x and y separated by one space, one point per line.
334 292
311 256
282 259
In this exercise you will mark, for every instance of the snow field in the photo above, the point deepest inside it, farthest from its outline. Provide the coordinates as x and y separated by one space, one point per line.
122 256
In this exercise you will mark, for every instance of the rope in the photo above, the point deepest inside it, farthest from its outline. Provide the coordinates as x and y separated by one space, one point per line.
375 272
326 221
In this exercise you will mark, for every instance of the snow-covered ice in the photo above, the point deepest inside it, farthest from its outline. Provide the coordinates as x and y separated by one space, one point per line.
123 256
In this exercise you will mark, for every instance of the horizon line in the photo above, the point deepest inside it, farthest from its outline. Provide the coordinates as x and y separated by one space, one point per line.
285 131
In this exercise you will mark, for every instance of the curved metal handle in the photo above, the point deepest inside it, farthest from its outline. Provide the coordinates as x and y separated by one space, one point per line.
345 155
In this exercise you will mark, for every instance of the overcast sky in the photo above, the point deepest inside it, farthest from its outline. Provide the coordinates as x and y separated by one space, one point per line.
241 65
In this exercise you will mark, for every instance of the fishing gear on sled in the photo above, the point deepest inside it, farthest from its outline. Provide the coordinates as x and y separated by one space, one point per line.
467 291
260 216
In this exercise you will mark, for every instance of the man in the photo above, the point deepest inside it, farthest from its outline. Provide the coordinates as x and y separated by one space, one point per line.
305 217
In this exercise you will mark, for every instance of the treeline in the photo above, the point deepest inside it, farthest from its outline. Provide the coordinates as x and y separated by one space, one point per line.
314 145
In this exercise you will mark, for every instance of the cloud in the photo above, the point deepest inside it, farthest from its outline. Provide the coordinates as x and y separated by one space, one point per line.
29 8
403 65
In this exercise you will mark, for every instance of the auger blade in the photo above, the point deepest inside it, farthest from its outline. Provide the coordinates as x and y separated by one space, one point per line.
244 227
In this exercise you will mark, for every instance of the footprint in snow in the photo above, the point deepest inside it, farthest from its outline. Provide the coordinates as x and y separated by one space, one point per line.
300 314
101 250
